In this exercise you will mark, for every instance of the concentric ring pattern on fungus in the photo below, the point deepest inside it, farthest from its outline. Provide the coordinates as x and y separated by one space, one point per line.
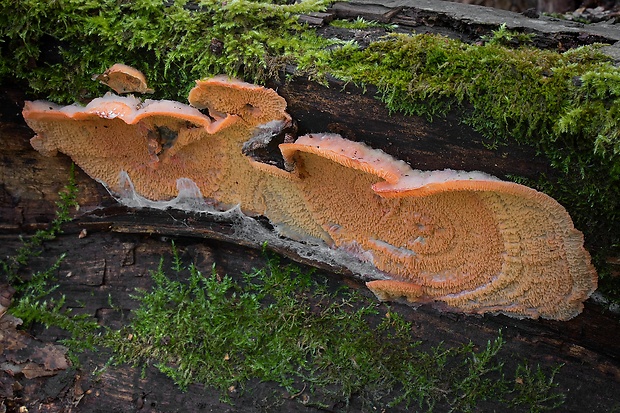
464 239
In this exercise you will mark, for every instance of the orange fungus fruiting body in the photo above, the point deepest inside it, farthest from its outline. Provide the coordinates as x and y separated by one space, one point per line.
124 79
465 239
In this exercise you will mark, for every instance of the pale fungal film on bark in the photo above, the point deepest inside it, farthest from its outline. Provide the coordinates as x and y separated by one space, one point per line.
464 239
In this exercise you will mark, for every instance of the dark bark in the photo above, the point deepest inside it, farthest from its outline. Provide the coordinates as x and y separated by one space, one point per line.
468 22
443 143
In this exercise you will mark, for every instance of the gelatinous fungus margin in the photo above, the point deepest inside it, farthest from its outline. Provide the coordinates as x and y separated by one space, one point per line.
465 239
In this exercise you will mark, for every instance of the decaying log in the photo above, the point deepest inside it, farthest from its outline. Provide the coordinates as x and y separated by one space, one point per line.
123 245
444 143
461 20
103 269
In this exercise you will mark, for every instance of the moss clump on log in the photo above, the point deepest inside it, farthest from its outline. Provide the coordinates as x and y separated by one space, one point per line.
56 46
279 325
564 104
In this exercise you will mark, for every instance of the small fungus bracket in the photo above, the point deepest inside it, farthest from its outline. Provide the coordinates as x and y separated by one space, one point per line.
124 79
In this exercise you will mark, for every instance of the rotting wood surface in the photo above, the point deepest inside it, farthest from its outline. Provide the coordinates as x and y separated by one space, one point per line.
462 20
122 246
445 143
104 268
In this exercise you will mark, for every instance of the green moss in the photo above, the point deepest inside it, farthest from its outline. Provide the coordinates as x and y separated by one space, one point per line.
281 326
278 324
563 104
503 36
173 44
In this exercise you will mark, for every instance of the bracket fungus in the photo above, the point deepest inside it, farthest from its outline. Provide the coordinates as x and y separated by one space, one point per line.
124 79
465 239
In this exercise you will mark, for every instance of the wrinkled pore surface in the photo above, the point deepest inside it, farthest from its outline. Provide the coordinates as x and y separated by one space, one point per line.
463 238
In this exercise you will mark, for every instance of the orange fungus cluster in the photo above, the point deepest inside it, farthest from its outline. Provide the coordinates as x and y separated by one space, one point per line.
465 239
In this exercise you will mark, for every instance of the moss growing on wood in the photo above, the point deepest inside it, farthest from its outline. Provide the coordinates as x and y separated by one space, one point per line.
564 104
278 324
56 46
